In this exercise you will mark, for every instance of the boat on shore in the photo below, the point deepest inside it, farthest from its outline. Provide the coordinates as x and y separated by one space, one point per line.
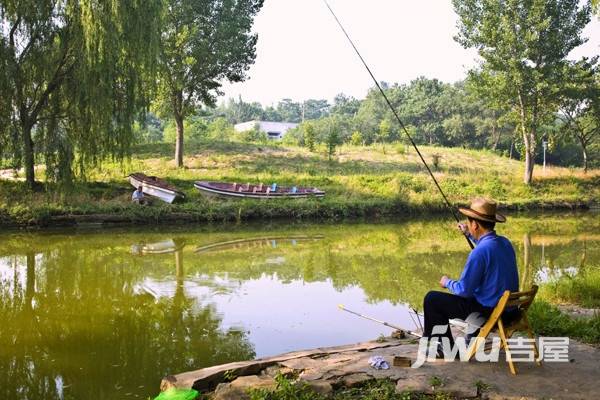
156 187
260 191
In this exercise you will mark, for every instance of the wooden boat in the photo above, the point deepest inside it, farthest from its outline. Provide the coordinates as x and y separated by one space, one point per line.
156 187
260 191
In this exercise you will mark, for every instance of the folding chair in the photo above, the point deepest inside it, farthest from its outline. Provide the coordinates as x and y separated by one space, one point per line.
521 300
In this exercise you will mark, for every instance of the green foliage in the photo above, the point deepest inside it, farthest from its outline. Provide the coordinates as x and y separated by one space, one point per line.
482 387
524 46
195 129
356 139
345 105
385 131
254 135
203 43
285 390
580 106
582 289
289 110
363 183
381 389
309 136
294 136
151 131
220 129
332 140
73 83
229 375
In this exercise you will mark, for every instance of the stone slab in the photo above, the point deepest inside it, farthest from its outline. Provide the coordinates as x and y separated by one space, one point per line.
348 366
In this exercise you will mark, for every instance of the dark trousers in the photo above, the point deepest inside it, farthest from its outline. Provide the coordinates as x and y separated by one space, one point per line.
439 307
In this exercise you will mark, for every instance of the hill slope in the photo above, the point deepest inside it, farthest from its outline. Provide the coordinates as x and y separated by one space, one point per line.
359 181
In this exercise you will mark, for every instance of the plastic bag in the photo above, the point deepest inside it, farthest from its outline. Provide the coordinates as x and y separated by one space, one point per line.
178 394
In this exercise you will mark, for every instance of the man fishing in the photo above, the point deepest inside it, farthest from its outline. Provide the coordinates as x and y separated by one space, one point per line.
491 268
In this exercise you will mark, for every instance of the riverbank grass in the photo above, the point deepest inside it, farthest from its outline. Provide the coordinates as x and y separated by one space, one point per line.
380 389
359 181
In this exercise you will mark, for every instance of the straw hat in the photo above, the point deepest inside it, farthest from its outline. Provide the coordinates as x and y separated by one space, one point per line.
483 210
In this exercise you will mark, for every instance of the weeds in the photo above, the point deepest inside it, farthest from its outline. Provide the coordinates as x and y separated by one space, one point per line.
381 389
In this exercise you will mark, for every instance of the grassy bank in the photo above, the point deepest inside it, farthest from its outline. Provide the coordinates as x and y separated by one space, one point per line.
374 390
580 290
359 181
547 320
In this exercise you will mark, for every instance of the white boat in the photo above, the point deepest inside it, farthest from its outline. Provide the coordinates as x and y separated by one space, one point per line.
156 187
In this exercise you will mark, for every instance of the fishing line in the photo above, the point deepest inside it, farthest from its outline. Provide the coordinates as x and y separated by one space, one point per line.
398 119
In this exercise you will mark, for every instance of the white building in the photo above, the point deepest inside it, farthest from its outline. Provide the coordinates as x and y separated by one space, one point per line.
274 130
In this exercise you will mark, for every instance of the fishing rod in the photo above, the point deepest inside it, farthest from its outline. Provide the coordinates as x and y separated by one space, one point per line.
398 119
341 307
457 323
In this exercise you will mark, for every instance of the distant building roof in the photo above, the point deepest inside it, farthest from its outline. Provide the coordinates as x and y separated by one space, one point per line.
273 129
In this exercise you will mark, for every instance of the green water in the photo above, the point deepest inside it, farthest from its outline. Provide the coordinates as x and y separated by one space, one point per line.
106 313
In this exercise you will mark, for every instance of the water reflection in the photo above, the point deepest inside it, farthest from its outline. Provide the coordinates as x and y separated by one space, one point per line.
248 243
84 314
88 334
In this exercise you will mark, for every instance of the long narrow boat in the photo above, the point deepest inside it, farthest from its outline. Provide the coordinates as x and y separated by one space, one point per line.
260 191
156 187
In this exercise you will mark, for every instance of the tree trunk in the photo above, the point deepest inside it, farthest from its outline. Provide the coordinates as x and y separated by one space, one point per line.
495 135
529 141
179 141
528 167
28 156
527 276
585 158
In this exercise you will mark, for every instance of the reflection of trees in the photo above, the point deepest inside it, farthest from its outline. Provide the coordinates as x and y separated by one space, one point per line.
527 268
78 307
88 329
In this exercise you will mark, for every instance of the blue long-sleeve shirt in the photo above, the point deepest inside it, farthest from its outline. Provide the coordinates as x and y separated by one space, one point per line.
491 269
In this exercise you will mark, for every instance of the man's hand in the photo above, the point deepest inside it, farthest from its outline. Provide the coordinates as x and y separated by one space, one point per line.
443 281
463 228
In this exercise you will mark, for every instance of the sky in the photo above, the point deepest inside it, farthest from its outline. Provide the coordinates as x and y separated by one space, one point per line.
302 54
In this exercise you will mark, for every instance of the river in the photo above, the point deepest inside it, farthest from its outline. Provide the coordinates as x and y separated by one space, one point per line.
106 313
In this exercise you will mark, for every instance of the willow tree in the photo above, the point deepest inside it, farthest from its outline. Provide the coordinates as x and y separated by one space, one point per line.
203 43
73 77
524 47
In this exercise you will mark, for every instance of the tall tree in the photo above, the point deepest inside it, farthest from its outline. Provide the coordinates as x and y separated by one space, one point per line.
423 108
290 110
72 75
524 45
314 109
345 105
203 43
580 106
